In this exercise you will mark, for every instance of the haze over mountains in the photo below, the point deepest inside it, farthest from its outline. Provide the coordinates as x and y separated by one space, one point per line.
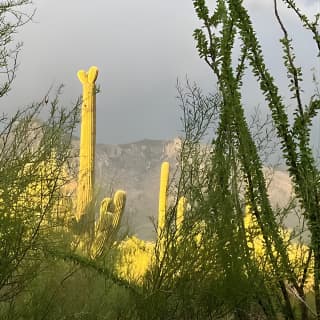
135 168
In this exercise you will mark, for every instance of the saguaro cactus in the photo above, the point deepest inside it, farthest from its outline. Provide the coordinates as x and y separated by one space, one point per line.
164 178
162 215
182 203
87 141
95 235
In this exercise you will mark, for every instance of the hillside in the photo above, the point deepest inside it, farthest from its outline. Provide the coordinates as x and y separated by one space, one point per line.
135 168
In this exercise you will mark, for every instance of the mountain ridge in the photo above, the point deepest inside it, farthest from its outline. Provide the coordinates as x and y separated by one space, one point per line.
135 168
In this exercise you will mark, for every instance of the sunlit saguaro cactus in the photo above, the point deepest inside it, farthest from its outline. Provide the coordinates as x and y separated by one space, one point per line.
94 236
164 178
87 141
181 208
111 211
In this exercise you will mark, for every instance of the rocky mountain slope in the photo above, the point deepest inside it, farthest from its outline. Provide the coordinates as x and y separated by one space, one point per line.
135 168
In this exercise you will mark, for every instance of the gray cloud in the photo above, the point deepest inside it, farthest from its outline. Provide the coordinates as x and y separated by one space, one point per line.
140 47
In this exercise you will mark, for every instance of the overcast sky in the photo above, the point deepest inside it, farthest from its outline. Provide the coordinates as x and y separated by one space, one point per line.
141 47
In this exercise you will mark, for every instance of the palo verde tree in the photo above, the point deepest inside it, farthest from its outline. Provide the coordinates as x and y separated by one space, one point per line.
33 157
12 17
235 157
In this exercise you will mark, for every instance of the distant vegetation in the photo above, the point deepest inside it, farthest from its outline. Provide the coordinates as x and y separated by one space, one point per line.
222 251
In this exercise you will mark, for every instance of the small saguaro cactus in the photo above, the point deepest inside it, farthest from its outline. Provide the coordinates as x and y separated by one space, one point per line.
182 203
85 189
111 211
162 215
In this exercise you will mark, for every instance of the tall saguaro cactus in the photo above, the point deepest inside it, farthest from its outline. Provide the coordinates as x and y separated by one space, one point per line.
95 235
164 178
87 141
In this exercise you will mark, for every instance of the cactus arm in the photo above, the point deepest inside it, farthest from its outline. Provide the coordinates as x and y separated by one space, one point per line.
105 206
119 205
105 218
116 210
101 235
111 211
101 229
82 76
164 177
87 140
92 75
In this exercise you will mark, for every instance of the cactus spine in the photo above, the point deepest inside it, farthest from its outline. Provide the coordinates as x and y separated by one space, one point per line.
87 141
